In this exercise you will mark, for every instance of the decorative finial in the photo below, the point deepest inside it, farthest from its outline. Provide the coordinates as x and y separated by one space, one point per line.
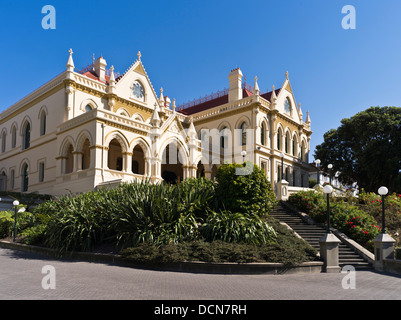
256 90
70 63
286 75
173 106
112 78
139 55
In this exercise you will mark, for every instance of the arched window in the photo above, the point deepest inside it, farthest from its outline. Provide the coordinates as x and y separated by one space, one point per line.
13 137
287 106
26 136
24 178
287 142
243 133
3 142
279 139
303 151
294 145
88 108
263 134
43 123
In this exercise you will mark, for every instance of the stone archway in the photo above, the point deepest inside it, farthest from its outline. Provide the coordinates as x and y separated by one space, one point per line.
174 163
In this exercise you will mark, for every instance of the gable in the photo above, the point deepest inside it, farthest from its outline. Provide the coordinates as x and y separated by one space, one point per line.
136 76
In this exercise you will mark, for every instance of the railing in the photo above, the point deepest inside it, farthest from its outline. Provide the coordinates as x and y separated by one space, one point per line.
212 96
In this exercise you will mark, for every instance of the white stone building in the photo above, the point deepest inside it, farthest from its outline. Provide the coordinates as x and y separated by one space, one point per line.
90 128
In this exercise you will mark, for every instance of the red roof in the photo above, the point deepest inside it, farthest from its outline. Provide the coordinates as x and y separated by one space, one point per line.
93 75
220 101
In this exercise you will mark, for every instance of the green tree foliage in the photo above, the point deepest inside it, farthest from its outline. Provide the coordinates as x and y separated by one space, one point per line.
244 193
366 149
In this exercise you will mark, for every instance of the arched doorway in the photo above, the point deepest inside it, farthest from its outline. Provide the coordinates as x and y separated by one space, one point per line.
86 160
172 163
115 156
69 161
138 160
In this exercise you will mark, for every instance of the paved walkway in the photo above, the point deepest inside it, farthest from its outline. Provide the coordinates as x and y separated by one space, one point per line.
21 278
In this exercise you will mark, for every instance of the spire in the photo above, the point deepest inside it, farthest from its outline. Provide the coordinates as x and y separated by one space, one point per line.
173 106
70 63
256 90
299 110
307 121
191 130
161 98
273 98
155 119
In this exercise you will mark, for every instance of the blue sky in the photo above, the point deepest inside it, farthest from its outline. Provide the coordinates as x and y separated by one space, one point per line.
189 47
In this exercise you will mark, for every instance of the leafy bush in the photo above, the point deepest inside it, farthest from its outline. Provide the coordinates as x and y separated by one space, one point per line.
6 223
247 193
236 227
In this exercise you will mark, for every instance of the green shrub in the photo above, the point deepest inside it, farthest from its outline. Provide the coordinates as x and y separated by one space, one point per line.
244 193
236 227
6 223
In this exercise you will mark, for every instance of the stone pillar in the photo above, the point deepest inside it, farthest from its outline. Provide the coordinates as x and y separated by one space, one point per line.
384 249
329 248
282 190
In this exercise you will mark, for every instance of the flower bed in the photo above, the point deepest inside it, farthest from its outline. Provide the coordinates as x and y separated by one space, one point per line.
344 216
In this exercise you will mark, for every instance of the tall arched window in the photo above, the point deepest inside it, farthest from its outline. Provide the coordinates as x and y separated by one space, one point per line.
294 146
263 134
279 139
3 142
287 142
287 106
26 137
43 123
13 136
303 151
243 133
24 178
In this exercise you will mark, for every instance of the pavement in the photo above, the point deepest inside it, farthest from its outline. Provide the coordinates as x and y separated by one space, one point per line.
29 276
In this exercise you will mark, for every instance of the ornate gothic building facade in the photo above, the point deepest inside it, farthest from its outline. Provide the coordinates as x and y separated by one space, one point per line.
89 128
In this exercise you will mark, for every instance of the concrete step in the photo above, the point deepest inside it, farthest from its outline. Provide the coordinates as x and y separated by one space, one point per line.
313 233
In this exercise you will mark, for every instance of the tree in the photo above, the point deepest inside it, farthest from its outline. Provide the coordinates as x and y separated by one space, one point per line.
366 149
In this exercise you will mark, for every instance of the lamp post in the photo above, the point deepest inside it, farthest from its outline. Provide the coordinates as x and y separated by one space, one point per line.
15 204
243 154
330 166
282 165
328 189
317 161
383 192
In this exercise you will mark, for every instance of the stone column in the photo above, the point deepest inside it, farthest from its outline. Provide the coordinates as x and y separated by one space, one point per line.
282 190
384 249
329 248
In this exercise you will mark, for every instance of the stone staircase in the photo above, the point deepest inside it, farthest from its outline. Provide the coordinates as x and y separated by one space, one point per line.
312 234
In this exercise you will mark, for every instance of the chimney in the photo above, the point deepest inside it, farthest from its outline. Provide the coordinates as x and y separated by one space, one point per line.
100 68
235 88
